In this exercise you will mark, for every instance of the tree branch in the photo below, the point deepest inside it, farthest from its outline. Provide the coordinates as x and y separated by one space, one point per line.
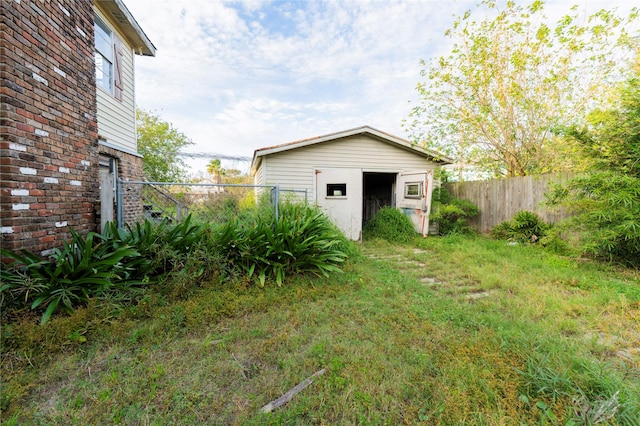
288 396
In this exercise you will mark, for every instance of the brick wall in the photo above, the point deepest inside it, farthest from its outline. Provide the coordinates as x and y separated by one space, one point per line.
48 130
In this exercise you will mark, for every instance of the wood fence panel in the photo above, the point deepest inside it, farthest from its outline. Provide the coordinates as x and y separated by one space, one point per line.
500 199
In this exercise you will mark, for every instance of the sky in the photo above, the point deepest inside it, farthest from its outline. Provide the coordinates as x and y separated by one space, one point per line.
235 76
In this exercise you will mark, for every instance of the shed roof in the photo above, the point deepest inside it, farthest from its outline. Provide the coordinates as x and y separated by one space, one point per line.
363 130
129 26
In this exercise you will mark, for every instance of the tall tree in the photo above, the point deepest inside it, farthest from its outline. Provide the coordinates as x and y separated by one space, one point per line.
511 79
159 143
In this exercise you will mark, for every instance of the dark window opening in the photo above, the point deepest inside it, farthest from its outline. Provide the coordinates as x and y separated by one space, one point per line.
336 190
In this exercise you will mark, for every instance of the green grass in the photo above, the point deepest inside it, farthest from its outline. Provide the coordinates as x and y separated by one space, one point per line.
456 330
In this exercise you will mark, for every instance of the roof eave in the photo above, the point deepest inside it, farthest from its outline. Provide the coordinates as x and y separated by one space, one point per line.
128 26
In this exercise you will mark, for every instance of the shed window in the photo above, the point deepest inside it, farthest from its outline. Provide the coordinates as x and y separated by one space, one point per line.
413 190
336 190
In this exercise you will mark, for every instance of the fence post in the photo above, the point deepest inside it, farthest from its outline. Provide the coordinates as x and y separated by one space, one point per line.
119 203
277 197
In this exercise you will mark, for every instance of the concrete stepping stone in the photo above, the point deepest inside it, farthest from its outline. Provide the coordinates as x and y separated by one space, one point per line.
430 280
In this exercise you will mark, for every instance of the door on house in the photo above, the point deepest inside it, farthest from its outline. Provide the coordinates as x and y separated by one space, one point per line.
338 192
108 171
414 191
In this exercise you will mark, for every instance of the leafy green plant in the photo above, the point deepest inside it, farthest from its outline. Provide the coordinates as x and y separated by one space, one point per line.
524 227
163 245
450 214
83 268
606 205
390 224
301 239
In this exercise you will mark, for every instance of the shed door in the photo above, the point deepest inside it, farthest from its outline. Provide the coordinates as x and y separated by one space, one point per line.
414 198
338 192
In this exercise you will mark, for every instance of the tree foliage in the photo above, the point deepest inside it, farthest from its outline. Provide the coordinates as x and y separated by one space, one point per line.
607 199
215 169
511 79
159 143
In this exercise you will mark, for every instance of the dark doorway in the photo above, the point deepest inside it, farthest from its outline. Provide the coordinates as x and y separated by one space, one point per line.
378 192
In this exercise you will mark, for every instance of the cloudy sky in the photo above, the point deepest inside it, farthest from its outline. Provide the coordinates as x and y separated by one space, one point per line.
235 76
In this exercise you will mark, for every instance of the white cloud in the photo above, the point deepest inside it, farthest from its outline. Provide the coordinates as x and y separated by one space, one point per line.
239 75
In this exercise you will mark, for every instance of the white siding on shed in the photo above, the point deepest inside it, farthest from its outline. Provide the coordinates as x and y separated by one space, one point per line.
294 168
117 119
258 178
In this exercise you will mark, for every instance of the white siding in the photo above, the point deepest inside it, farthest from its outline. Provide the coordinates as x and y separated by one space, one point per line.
117 119
258 178
294 169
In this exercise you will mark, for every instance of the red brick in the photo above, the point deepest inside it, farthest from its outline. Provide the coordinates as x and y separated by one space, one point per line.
25 127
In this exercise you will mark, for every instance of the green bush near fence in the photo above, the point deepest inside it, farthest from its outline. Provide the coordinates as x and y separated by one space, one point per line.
524 227
451 215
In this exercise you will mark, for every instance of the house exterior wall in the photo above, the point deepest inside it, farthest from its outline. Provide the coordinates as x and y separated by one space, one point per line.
117 119
294 169
48 128
55 122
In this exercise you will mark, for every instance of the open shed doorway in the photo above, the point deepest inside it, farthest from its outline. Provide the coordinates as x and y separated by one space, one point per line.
378 192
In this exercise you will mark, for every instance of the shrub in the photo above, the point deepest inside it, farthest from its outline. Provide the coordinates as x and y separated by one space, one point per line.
390 224
83 268
607 210
301 239
112 265
163 245
524 227
451 215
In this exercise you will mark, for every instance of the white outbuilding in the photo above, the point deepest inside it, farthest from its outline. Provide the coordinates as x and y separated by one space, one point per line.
351 174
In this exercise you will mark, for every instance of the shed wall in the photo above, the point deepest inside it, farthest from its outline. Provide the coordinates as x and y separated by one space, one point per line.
294 169
258 178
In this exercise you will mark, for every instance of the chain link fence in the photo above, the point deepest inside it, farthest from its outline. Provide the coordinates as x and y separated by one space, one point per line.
206 202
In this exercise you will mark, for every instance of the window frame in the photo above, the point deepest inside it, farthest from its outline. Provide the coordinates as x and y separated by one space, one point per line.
409 194
104 54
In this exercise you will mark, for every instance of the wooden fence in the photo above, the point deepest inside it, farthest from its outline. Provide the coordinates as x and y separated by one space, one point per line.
500 199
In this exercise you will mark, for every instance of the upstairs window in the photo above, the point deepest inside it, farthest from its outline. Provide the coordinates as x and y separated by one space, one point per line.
104 55
108 58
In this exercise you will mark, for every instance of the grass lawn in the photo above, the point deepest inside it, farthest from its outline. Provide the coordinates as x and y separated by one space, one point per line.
455 330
